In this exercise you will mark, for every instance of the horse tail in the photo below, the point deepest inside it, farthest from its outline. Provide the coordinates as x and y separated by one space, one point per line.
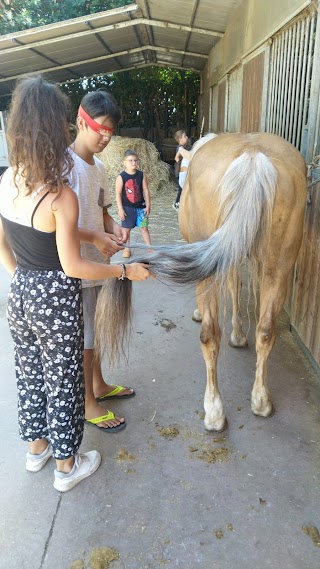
247 192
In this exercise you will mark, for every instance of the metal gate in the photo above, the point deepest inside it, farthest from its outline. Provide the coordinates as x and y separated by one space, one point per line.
291 57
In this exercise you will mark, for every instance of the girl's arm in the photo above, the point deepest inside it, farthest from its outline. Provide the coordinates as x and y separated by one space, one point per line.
65 210
7 258
184 153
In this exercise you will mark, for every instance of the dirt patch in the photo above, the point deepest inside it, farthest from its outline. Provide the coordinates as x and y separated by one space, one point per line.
214 455
167 324
101 557
219 533
186 485
313 533
200 414
79 564
262 502
168 432
229 527
219 439
126 456
188 433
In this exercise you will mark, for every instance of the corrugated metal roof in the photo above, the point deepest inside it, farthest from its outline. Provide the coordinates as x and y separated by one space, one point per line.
177 33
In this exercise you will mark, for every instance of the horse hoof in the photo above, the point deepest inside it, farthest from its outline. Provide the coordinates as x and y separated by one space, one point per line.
196 316
239 345
238 341
265 415
219 429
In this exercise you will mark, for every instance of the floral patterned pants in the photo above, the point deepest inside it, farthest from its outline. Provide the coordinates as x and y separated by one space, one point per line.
45 319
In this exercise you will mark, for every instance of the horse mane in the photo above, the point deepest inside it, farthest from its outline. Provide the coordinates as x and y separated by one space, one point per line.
203 140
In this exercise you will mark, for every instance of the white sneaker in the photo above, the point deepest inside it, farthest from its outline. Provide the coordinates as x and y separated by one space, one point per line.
37 461
84 465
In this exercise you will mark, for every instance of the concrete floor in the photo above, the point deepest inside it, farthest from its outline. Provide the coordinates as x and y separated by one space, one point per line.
164 505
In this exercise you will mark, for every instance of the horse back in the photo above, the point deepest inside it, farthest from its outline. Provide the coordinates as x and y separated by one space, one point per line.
199 211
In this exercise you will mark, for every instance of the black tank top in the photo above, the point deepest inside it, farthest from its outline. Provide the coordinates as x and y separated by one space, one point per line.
34 250
132 192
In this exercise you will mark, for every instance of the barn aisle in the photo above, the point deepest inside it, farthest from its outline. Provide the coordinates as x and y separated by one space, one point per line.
169 494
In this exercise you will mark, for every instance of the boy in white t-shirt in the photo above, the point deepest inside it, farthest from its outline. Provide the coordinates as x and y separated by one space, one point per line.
97 119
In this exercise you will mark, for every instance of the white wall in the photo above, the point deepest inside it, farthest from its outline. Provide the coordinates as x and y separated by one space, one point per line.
249 26
3 144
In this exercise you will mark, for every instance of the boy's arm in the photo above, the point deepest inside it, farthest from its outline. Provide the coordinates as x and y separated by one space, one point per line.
146 194
7 257
107 244
111 226
119 184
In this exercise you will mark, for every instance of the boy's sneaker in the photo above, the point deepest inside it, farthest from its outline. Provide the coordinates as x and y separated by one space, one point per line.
175 206
37 461
84 465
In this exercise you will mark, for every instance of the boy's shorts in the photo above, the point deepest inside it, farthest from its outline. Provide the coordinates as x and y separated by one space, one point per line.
135 217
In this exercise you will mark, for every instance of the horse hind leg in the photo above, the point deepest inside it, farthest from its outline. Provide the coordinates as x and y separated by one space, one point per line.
238 339
272 297
210 337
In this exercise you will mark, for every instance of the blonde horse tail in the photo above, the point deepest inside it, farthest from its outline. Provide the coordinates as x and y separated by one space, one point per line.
247 192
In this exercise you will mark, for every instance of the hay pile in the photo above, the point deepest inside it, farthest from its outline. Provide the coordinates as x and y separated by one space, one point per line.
158 173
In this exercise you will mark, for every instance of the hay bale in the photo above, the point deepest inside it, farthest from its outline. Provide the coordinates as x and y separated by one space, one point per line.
159 174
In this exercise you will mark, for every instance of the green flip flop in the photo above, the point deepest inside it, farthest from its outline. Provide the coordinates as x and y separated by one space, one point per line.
114 394
94 423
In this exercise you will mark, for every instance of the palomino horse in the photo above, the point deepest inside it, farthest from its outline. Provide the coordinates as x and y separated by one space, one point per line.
244 198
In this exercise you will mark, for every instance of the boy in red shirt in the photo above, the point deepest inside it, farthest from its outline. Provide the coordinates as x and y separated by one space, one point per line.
133 199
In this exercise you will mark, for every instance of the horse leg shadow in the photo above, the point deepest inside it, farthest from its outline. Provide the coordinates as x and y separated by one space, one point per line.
238 338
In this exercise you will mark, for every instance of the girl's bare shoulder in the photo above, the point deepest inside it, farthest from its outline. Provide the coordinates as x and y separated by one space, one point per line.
64 196
65 203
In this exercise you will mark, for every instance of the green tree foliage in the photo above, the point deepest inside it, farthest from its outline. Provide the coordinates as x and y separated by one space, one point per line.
152 99
16 15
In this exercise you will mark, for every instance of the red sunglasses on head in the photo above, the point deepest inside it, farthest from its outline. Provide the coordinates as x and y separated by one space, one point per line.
98 128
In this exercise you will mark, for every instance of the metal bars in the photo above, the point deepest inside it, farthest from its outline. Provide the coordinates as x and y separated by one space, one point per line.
291 58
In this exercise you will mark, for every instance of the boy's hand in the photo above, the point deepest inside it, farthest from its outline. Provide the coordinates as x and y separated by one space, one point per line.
121 233
122 214
107 244
147 211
